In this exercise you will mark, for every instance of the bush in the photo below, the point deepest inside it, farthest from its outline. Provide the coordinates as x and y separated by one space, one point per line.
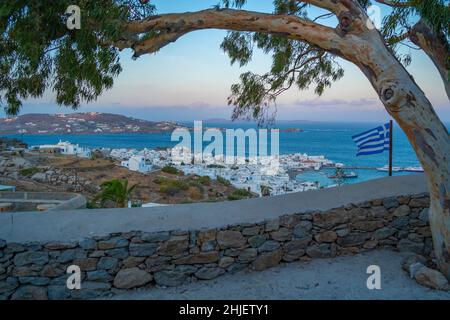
170 191
136 204
159 180
172 187
92 205
239 194
195 193
170 170
29 171
206 181
223 181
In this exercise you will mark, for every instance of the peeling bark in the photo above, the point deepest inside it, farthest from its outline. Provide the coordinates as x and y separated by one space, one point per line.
169 27
353 41
408 105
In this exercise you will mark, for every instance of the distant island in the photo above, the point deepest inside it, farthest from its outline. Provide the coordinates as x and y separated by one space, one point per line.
279 121
82 123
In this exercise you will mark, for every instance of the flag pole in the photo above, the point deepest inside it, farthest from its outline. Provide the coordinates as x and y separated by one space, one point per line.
391 130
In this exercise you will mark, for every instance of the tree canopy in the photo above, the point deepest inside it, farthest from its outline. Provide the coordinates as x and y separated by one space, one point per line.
39 52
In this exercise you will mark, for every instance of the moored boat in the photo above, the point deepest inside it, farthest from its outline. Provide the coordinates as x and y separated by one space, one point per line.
386 168
413 169
347 175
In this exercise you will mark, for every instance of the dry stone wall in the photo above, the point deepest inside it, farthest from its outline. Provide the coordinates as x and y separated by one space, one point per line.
123 261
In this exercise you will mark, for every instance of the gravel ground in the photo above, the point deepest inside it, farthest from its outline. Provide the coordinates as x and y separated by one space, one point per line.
337 278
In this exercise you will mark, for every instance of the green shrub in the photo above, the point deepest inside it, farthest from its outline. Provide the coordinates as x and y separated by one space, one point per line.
172 187
239 194
223 181
92 205
136 204
29 171
159 180
170 170
195 193
206 181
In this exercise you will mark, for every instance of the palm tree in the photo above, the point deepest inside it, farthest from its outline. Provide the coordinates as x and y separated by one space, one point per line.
116 191
265 190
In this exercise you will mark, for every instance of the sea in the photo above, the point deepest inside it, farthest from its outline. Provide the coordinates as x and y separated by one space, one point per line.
333 140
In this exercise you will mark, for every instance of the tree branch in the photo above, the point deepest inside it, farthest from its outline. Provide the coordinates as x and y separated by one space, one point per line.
334 6
397 4
168 28
323 16
399 38
436 47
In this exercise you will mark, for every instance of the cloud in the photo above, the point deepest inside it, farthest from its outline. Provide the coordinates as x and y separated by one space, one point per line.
362 102
200 104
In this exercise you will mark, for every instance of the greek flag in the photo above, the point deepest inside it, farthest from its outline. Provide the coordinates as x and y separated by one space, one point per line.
373 141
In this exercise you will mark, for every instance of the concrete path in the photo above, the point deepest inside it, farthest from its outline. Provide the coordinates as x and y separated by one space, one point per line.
338 278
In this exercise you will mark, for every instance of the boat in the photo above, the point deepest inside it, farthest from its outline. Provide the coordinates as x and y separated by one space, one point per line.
413 169
347 175
351 175
386 168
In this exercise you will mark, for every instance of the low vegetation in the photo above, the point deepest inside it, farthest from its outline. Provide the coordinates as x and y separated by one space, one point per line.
27 172
239 194
170 170
205 180
171 187
223 181
168 186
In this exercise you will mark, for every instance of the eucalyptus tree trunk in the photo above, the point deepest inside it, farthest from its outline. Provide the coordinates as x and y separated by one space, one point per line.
408 105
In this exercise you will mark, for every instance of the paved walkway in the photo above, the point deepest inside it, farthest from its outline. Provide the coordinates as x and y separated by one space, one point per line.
338 278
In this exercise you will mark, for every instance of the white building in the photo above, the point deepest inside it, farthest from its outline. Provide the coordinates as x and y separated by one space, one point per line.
73 149
137 163
68 148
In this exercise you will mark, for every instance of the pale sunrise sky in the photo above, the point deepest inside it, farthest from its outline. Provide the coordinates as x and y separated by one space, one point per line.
191 79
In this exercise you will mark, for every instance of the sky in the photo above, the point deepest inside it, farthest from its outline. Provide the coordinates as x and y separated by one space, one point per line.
191 79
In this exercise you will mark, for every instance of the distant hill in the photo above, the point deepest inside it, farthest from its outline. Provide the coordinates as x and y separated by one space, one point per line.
81 123
222 120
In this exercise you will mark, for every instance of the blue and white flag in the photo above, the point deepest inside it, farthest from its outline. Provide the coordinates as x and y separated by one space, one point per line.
373 141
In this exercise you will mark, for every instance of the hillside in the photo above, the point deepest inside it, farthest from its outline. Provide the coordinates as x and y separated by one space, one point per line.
81 123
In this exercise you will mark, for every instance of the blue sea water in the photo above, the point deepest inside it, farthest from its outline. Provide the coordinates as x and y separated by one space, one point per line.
333 140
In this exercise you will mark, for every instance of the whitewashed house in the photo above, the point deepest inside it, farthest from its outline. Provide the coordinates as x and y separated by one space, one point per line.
137 163
67 148
74 149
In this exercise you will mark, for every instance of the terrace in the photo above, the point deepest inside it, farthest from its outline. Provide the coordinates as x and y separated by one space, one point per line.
39 201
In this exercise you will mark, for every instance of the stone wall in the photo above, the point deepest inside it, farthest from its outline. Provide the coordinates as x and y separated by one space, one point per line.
126 260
